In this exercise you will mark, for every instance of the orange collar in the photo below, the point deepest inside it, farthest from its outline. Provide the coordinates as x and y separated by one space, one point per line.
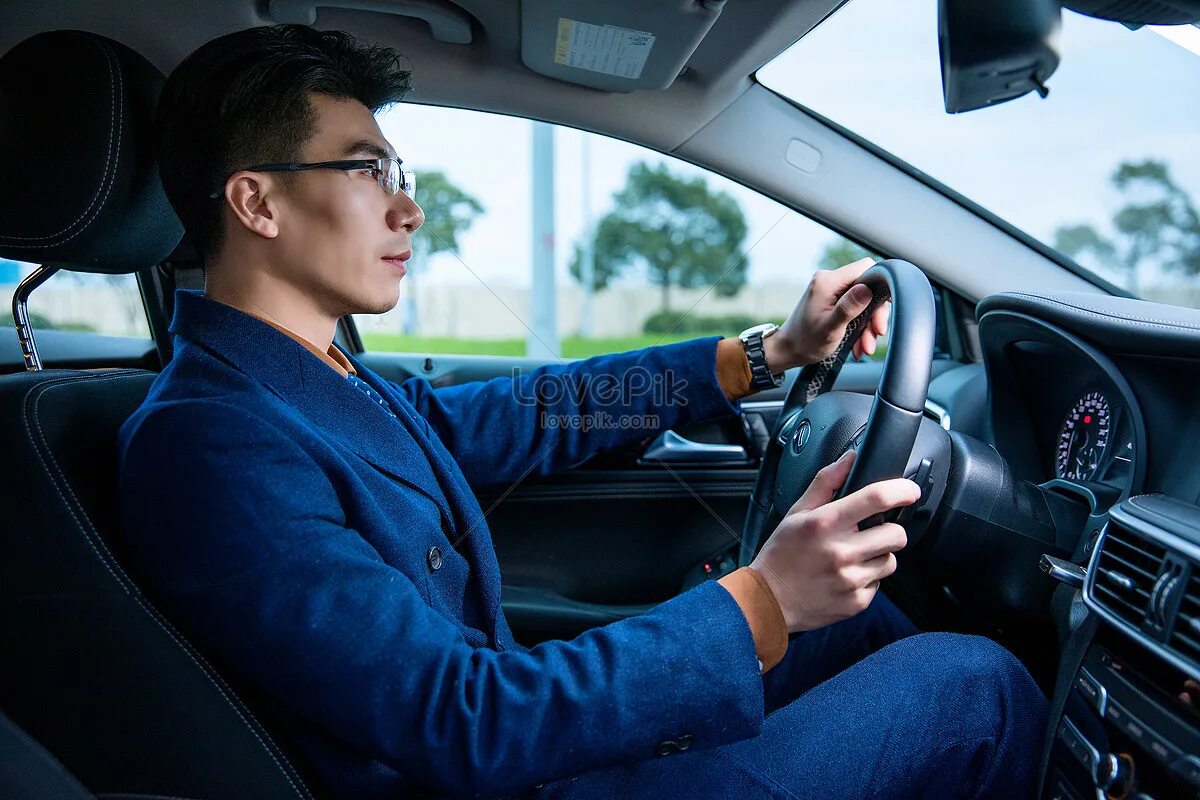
334 357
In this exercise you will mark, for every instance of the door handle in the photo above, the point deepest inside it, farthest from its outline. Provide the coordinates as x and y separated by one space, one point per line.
673 448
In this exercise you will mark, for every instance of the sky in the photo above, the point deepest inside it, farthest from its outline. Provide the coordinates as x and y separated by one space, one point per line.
873 67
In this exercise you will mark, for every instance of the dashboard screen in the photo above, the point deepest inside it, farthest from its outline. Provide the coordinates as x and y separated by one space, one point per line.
1080 422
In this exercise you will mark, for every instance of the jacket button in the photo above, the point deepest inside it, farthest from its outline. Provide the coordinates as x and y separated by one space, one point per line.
434 558
685 741
665 748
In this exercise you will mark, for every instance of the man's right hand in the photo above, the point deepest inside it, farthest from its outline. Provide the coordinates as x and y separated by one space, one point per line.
819 565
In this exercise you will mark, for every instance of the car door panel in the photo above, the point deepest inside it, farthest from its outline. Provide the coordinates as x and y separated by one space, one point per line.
622 532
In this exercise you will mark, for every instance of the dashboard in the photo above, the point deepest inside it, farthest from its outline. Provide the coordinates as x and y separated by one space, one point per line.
1094 397
1132 366
1082 421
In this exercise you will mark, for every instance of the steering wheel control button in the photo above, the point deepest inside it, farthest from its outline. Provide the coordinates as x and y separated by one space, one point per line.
923 478
434 558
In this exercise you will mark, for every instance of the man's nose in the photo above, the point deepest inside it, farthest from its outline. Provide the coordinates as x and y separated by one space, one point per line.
405 213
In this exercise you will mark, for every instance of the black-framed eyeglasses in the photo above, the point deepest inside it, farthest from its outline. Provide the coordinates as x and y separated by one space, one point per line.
389 172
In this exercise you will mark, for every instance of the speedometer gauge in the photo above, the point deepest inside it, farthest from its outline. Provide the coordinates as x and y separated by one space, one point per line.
1083 438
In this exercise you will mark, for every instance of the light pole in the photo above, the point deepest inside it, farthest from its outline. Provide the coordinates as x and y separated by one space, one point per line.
542 341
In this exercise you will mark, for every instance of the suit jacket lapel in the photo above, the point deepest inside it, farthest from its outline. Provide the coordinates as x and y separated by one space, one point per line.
307 384
472 539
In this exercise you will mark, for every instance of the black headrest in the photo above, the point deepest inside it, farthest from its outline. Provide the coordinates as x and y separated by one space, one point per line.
80 186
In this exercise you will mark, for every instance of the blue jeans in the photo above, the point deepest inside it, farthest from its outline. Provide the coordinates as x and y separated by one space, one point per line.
864 709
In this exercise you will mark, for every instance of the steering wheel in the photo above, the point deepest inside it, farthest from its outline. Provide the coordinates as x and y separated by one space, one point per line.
817 425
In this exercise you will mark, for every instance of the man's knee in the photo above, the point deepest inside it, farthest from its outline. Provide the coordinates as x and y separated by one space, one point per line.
983 710
972 674
962 654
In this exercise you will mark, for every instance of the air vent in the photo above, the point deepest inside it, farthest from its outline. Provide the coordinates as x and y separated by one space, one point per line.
1144 577
1126 572
1185 638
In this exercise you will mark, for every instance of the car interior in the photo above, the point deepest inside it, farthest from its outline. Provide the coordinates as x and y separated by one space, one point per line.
1047 413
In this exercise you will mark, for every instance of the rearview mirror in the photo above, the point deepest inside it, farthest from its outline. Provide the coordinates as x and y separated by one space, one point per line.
996 50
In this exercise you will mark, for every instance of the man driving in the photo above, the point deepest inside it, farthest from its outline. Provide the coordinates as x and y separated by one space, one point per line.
313 526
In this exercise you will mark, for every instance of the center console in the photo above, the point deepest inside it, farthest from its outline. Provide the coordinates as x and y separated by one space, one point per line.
1130 721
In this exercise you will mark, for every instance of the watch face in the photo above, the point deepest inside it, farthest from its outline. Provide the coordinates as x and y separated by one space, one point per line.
766 329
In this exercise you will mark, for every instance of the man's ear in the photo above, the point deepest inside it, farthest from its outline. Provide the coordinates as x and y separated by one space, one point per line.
252 198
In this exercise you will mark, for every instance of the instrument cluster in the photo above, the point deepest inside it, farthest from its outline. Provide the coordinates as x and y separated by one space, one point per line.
1092 444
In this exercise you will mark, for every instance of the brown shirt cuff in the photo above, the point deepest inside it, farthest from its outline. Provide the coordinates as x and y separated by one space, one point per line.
763 614
733 369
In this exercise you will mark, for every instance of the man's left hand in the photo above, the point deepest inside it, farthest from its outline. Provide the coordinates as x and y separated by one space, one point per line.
818 323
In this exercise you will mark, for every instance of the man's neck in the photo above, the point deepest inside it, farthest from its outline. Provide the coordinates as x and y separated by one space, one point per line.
264 296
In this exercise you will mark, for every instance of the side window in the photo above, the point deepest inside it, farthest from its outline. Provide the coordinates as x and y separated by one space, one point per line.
76 301
545 240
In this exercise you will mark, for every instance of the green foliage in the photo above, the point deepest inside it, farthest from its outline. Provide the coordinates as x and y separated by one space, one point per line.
407 343
696 325
841 252
448 209
675 230
583 347
1077 240
572 346
1158 223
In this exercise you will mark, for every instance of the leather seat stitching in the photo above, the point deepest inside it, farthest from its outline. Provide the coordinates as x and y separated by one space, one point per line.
116 123
97 544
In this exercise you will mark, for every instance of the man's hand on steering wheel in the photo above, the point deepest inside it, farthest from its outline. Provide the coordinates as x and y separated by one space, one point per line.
819 565
816 325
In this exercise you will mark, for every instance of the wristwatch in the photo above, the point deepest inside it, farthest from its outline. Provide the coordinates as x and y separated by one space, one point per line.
761 376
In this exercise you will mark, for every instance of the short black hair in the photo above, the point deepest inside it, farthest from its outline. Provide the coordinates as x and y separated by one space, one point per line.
243 99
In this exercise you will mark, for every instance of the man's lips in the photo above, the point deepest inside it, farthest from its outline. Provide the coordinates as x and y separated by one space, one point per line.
398 260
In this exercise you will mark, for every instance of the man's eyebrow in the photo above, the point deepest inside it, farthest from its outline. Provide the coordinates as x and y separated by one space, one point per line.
368 147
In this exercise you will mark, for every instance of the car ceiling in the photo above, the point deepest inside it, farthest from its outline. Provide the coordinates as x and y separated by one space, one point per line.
714 114
486 74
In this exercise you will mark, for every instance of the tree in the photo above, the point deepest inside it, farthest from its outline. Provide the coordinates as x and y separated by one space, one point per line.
675 230
449 211
1158 223
840 252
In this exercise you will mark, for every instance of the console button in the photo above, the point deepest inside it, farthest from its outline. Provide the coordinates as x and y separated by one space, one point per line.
1125 722
1078 746
1188 768
1114 775
1163 751
1091 690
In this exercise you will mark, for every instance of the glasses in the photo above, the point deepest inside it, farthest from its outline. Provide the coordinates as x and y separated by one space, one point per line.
392 178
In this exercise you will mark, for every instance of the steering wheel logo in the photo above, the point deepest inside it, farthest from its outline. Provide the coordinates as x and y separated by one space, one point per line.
801 435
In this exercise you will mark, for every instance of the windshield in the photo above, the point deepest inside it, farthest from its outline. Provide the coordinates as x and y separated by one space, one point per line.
1106 169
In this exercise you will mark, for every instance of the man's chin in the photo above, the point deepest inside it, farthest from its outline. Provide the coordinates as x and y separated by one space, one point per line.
379 305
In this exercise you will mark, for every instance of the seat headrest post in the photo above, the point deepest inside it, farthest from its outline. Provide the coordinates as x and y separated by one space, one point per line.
20 311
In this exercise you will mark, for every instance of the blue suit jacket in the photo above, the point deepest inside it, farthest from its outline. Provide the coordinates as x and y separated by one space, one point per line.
284 520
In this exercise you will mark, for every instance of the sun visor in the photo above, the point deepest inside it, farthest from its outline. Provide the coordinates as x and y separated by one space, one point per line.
620 46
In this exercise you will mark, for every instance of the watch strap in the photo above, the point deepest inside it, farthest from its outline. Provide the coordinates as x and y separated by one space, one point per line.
761 376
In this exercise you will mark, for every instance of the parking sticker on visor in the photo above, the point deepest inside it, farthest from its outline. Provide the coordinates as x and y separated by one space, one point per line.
602 48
